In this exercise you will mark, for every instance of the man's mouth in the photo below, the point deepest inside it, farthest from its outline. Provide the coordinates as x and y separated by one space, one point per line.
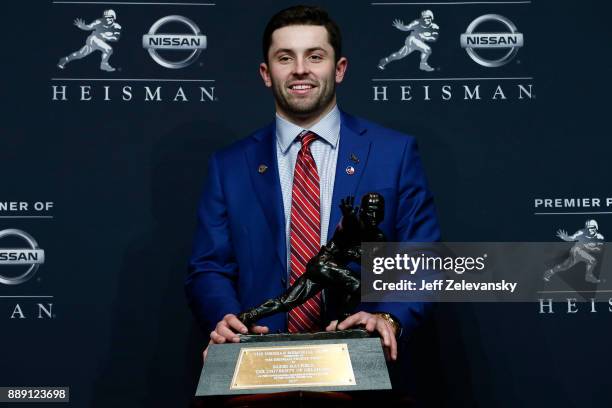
300 89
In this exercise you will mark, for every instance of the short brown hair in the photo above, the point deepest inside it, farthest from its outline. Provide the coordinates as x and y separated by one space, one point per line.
303 15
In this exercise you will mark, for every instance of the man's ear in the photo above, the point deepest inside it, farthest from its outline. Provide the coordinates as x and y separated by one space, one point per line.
264 71
341 66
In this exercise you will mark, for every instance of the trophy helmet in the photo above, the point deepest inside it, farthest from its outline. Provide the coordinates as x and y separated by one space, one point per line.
372 208
110 13
427 13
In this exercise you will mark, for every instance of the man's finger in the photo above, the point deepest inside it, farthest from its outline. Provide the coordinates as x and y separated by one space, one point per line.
235 324
215 337
205 352
393 348
388 338
371 324
386 350
260 329
352 320
385 334
332 326
348 322
227 333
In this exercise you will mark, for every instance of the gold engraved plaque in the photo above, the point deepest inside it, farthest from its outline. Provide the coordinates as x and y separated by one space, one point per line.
322 365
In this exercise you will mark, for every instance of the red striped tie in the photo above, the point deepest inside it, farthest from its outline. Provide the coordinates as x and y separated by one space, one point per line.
305 234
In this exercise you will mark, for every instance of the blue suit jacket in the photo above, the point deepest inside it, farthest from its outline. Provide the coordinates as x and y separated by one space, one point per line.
239 255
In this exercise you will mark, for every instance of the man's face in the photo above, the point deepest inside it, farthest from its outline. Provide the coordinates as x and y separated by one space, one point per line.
427 20
109 20
592 230
302 72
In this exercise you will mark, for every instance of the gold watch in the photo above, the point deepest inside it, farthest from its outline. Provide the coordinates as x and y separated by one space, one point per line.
391 320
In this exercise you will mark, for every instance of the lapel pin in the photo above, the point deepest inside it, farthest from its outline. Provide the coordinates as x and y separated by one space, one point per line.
354 158
350 170
262 168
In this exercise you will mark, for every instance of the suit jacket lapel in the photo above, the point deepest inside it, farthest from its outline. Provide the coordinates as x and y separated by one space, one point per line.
353 155
267 188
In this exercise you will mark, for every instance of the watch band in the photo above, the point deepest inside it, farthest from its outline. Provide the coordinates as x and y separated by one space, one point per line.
391 320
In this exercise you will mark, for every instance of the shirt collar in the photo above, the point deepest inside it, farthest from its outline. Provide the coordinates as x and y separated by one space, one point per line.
328 129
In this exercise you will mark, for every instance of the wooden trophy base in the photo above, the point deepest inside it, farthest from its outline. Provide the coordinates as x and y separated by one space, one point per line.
307 366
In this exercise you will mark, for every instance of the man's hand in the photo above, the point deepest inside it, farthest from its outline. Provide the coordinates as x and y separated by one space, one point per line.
371 322
227 331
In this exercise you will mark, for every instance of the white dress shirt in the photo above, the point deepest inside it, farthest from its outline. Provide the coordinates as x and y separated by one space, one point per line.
325 153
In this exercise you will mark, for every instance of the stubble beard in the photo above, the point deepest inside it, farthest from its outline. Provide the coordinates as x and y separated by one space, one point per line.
301 107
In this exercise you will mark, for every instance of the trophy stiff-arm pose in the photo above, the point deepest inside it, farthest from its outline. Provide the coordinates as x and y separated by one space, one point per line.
422 31
104 30
328 269
588 242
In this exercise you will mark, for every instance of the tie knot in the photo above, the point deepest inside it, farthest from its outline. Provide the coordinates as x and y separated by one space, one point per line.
306 138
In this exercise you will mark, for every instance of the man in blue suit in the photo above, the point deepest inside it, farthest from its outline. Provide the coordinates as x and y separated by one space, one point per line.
242 246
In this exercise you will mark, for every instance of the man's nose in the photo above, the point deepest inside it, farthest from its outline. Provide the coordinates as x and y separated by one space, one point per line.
300 67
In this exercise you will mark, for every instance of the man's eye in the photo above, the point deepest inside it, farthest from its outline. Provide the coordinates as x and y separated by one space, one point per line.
284 58
316 57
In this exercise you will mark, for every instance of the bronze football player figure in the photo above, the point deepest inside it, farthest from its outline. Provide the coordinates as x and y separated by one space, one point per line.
328 269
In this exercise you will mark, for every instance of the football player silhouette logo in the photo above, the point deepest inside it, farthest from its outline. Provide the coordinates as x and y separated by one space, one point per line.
588 242
104 30
422 31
